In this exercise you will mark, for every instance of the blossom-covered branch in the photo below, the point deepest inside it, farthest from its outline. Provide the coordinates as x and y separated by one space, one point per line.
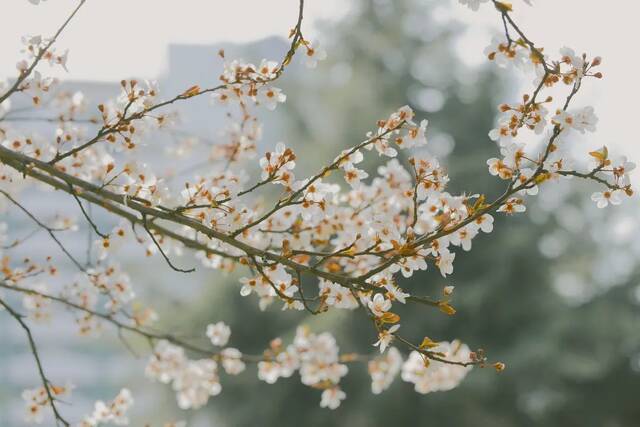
355 237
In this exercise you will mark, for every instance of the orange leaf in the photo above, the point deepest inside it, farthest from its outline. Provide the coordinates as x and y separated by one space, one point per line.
446 308
504 7
389 317
192 91
427 343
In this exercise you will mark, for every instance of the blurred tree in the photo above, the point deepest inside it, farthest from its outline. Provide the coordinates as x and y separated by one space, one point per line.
566 365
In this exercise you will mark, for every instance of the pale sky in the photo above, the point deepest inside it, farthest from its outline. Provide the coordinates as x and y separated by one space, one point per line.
113 39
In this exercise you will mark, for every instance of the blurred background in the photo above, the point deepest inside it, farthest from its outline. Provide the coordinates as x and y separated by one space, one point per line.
555 293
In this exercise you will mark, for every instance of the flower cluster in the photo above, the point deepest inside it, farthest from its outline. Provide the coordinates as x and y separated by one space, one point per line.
244 83
432 375
219 334
384 369
238 141
273 281
111 287
315 357
113 412
36 400
194 381
277 166
37 306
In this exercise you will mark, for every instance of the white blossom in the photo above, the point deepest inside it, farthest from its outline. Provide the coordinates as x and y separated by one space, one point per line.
219 334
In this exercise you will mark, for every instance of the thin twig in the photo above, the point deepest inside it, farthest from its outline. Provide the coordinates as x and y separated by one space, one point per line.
26 73
48 229
86 215
164 255
34 350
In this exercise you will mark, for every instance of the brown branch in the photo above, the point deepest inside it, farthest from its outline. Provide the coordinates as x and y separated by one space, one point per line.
29 166
36 356
151 335
86 215
591 176
26 73
164 255
49 230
